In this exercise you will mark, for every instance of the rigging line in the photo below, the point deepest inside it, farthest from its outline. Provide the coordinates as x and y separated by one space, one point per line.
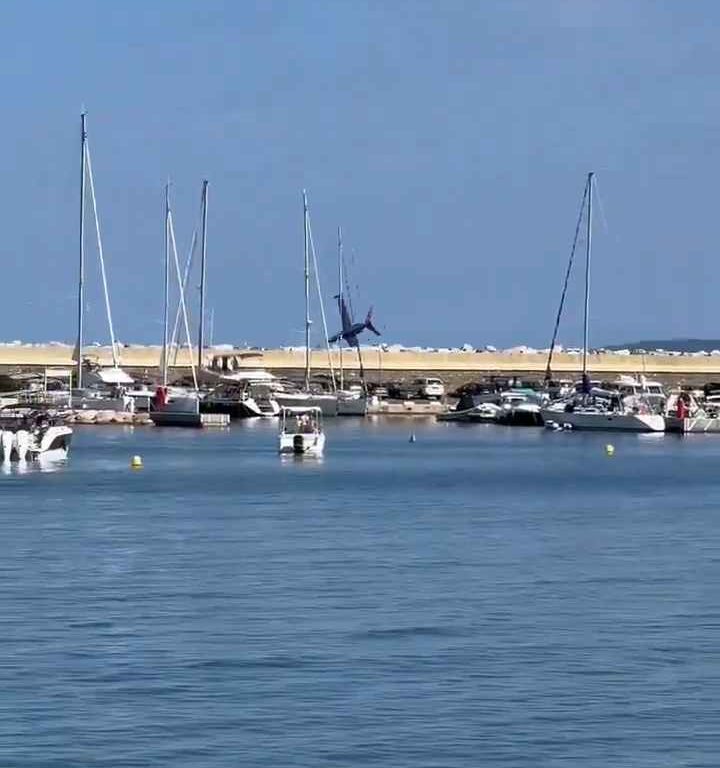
100 253
348 275
600 206
182 298
548 368
186 279
322 306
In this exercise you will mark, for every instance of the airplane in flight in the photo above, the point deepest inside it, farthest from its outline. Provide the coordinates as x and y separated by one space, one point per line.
350 330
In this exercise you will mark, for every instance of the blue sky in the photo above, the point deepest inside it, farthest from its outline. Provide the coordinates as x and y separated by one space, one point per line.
449 139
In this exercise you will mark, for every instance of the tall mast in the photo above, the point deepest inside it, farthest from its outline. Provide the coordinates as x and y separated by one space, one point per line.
307 293
201 332
588 252
340 298
81 275
167 285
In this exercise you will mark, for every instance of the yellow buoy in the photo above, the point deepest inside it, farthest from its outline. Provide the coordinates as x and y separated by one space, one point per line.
609 449
136 462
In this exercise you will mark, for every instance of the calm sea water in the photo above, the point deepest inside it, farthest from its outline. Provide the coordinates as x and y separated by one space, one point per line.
483 596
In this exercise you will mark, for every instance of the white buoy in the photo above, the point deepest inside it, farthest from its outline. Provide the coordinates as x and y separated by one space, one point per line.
6 444
22 443
610 449
136 462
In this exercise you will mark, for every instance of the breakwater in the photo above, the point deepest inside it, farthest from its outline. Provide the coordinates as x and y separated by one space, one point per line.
382 365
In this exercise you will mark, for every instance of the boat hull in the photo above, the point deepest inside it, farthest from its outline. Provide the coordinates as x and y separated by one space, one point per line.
302 444
606 422
523 415
694 424
328 404
352 406
242 408
52 444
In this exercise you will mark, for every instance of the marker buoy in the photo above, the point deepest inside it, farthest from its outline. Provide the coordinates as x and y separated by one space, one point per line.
609 449
412 437
136 462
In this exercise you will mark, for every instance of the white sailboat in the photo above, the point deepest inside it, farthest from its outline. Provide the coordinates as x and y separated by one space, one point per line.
591 409
174 406
96 387
305 397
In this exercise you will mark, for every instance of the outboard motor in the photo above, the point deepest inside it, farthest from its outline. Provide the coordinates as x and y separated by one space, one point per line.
298 444
22 443
6 444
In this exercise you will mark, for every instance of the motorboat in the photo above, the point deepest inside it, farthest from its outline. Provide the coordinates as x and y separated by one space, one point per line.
301 431
241 402
244 394
468 409
27 434
484 413
521 408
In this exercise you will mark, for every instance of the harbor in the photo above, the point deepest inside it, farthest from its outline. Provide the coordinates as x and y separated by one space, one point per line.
360 384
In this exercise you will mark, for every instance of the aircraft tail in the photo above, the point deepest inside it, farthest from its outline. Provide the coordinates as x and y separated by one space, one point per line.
369 323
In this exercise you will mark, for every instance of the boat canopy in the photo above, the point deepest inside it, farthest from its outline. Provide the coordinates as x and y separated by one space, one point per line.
112 376
299 409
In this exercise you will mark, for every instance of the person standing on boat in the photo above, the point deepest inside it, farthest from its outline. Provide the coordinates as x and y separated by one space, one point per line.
681 410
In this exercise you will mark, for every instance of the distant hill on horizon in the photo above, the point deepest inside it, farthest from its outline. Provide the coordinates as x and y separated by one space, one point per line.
671 345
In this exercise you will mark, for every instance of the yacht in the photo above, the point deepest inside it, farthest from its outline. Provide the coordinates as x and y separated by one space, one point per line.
243 394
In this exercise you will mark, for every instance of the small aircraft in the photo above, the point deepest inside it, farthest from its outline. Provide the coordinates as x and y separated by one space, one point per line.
351 331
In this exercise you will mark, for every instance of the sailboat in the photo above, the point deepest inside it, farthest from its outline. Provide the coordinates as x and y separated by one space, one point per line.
176 407
305 397
594 408
96 387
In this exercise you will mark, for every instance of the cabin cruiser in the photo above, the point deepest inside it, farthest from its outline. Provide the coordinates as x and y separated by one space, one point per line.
28 434
241 401
301 431
243 394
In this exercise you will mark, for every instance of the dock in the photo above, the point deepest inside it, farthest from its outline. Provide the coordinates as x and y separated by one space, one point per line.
406 408
184 419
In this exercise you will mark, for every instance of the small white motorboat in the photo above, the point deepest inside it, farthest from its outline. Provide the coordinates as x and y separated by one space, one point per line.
301 431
